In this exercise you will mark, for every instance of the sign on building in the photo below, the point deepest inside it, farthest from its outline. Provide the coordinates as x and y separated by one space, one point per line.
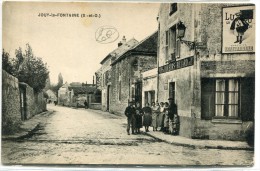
238 34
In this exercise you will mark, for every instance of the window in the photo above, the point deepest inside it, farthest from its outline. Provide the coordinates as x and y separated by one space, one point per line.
166 45
227 98
173 43
173 8
135 65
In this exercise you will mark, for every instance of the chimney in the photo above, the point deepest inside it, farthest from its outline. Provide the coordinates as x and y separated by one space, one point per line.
93 80
119 44
123 40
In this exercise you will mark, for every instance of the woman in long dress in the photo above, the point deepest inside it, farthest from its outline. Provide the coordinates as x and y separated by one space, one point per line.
139 120
161 117
166 118
155 113
147 120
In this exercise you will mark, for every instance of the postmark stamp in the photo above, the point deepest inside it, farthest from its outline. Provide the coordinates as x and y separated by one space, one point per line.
106 34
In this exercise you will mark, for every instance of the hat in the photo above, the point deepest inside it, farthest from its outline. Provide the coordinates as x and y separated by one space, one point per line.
238 13
170 98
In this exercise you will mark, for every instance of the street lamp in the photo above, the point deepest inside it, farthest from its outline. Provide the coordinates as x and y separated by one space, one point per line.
181 33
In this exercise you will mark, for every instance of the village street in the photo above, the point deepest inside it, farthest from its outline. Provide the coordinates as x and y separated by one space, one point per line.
85 136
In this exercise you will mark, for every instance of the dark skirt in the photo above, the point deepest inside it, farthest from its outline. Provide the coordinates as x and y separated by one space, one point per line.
139 121
147 119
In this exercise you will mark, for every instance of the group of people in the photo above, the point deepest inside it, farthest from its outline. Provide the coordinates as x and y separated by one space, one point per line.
161 116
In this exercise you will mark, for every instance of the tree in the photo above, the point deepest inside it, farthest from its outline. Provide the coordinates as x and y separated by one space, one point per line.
55 88
19 58
30 69
60 81
6 63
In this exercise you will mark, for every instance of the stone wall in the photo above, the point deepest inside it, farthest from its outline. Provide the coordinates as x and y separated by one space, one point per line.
41 104
11 111
19 102
34 102
30 102
105 69
238 68
221 129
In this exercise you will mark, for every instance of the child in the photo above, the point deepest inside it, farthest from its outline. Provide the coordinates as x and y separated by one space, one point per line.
175 124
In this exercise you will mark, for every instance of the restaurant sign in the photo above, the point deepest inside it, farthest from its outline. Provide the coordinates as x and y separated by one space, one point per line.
186 62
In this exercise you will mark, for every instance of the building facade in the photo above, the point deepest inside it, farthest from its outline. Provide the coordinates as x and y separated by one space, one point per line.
207 65
104 73
126 73
64 95
75 94
149 86
51 96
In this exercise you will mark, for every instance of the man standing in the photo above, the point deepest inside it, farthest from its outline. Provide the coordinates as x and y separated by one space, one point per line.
86 104
130 114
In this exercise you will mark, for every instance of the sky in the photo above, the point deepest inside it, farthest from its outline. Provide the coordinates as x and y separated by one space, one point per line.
68 44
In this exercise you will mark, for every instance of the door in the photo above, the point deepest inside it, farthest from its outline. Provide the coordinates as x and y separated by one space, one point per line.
146 98
172 90
138 92
149 97
23 104
108 97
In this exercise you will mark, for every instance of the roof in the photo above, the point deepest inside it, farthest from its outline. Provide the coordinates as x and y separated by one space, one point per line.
146 46
75 84
121 49
82 90
50 93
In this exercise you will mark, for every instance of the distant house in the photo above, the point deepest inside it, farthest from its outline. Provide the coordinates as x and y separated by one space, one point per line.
51 96
76 84
75 94
64 96
79 95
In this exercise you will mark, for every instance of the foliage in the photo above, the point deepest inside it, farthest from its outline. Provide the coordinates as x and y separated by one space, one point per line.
46 96
28 68
56 87
60 80
6 63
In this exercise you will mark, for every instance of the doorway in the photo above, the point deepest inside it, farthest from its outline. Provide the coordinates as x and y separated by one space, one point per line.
138 93
23 104
108 97
172 90
149 97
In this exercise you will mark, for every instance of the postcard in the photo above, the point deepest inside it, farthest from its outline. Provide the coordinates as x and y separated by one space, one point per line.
128 84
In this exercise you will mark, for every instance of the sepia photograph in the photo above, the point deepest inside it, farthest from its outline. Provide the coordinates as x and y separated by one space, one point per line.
128 84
